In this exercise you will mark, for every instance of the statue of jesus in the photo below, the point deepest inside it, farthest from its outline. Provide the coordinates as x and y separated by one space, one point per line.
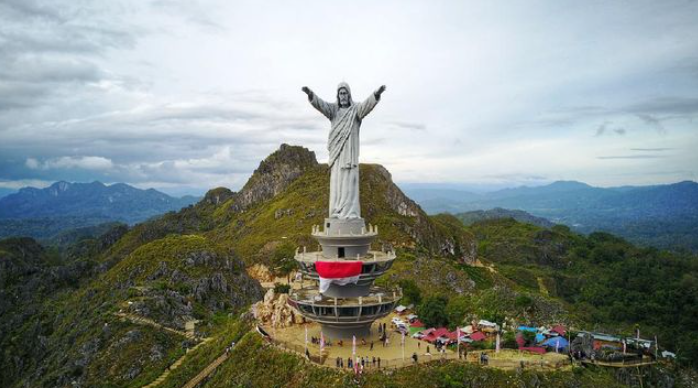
343 145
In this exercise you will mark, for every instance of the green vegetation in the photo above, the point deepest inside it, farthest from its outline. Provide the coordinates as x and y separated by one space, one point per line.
603 279
282 262
281 288
59 307
228 332
411 294
432 311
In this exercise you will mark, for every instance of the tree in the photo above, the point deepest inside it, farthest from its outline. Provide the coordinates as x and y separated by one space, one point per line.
456 308
529 337
282 261
410 291
432 311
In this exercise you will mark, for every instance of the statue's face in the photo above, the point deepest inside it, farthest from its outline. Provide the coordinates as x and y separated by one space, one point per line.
343 95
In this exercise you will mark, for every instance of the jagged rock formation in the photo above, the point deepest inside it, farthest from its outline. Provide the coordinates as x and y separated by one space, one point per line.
218 196
260 272
274 175
275 312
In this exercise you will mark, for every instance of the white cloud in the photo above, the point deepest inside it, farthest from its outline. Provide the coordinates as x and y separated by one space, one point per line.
67 162
18 184
193 94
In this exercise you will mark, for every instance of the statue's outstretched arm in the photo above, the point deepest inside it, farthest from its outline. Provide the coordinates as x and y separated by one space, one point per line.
368 104
318 103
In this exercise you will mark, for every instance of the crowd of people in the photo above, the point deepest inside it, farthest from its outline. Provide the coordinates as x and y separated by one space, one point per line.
361 362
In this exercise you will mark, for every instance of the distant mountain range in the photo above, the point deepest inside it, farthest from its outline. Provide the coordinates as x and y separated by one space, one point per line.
5 192
43 213
664 216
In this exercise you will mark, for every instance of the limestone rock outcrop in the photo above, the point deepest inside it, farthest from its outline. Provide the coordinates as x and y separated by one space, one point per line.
275 312
261 273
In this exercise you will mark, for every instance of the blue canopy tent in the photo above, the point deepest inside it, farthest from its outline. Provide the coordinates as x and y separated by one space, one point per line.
526 328
539 338
556 342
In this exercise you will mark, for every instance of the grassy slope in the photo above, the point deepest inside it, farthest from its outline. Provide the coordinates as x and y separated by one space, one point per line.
606 282
291 214
81 325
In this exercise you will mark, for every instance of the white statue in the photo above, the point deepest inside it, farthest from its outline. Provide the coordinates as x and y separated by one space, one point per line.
343 145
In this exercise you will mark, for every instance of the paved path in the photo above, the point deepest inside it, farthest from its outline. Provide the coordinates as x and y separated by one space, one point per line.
620 364
206 372
175 365
145 321
541 287
188 334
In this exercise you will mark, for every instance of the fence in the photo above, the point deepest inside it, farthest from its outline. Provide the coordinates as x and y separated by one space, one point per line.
395 363
531 361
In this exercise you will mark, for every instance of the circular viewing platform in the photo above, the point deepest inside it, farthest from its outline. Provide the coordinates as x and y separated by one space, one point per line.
344 317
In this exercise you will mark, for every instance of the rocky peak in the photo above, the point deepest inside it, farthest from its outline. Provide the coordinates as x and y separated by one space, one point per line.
275 174
218 196
59 187
394 197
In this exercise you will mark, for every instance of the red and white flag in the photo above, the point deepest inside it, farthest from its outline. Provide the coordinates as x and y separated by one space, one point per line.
338 272
322 342
353 345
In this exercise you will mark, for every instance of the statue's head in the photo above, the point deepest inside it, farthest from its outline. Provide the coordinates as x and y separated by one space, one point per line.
344 95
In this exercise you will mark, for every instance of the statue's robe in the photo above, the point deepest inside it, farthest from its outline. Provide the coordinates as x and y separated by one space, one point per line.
343 146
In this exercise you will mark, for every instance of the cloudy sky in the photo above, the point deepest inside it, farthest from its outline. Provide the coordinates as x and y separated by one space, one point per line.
187 95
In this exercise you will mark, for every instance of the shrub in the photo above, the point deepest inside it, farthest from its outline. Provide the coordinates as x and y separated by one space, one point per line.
281 288
410 291
433 311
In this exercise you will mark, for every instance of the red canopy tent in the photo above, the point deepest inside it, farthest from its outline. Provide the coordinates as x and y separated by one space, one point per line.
478 336
520 340
559 329
416 323
433 335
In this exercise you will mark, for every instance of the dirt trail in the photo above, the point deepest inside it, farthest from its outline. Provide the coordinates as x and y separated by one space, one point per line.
541 287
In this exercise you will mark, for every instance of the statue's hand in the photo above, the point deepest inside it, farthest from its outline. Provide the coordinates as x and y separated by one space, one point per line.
307 91
378 92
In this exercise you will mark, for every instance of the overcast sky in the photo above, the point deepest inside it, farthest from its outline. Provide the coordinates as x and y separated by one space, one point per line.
184 96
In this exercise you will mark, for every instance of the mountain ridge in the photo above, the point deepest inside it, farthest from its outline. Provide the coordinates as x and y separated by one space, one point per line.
46 213
629 211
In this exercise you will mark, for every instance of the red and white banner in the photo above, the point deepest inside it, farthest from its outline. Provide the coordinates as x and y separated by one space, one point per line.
338 272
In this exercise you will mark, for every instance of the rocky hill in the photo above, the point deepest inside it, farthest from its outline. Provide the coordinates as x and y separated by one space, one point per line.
116 310
468 218
185 266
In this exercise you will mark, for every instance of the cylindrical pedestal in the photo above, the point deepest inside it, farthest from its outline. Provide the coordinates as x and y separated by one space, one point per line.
348 291
346 331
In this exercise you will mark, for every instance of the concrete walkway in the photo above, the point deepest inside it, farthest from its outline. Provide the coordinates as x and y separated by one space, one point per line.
206 372
188 334
175 365
145 321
